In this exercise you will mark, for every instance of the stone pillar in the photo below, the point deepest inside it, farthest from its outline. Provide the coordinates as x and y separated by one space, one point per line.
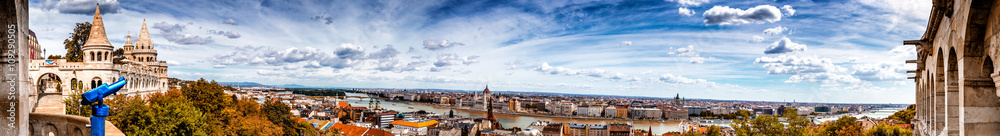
14 113
939 103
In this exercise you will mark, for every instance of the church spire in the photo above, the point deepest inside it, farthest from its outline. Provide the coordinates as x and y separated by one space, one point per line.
97 35
128 39
144 42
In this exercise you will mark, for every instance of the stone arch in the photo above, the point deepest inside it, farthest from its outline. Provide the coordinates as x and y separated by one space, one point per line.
49 128
77 132
950 95
49 81
935 96
979 104
95 82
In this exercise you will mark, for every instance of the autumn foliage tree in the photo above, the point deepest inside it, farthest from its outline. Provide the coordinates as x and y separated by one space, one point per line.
201 108
904 116
844 126
74 44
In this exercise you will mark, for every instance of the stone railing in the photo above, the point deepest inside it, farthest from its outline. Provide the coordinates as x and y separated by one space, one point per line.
45 124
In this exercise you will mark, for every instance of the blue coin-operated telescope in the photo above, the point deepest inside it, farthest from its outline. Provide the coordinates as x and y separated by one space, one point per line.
99 110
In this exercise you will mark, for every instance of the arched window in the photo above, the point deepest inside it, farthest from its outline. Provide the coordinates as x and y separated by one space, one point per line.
92 56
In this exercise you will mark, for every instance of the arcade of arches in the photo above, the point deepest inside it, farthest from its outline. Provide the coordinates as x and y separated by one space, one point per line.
139 66
956 79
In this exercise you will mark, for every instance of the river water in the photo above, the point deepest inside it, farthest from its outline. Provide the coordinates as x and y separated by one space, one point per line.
513 120
523 121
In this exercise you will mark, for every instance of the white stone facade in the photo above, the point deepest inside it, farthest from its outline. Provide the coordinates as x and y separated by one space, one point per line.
139 66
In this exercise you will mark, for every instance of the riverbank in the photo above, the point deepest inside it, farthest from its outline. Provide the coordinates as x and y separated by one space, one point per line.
536 115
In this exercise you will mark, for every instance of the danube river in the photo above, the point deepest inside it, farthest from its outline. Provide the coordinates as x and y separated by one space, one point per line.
512 120
523 121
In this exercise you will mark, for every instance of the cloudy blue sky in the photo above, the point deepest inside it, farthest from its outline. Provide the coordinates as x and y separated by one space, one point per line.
775 50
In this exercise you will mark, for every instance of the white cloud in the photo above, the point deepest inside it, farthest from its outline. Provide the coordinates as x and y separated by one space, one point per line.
723 15
826 78
350 51
686 51
756 39
444 60
685 11
228 34
880 71
386 53
901 15
291 58
697 60
786 64
545 68
625 44
784 45
230 22
689 51
775 31
175 33
437 45
789 11
685 3
677 79
85 7
174 63
904 52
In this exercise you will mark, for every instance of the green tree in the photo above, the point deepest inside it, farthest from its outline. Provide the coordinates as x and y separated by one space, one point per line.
797 125
130 114
54 57
73 105
767 125
904 116
844 126
74 44
883 129
207 96
280 114
117 56
254 126
177 114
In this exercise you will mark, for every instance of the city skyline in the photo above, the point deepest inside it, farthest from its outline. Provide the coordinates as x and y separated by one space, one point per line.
843 52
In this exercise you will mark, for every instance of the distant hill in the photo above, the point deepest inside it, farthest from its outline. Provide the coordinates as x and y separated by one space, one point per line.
255 84
292 86
243 84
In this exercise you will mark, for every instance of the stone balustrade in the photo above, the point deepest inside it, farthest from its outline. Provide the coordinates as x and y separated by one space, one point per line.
46 124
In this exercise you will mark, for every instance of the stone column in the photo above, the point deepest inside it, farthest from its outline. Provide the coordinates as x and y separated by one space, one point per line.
940 107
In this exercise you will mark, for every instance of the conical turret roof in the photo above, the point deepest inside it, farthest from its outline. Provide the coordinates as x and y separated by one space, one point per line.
128 39
144 37
97 35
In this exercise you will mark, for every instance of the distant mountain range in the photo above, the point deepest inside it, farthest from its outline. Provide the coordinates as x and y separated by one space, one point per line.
255 84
